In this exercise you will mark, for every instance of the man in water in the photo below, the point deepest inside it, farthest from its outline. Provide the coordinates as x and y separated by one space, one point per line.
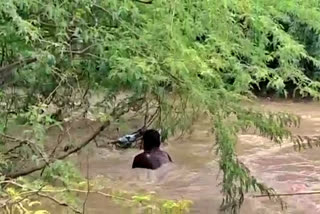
152 157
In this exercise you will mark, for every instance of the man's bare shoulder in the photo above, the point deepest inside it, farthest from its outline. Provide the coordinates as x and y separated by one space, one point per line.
142 160
165 154
142 157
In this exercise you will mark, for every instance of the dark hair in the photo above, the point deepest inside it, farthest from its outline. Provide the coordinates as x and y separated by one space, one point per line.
151 139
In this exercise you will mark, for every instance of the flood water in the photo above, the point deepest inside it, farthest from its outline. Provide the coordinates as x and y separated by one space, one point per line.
194 173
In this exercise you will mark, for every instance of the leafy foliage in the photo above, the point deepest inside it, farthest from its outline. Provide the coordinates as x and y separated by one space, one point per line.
183 57
22 195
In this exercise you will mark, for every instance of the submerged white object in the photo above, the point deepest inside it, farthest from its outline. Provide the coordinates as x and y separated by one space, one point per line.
128 138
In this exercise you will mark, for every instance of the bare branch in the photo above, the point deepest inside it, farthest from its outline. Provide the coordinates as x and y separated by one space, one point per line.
61 156
45 194
288 194
102 8
16 64
59 141
60 203
80 52
62 190
26 194
33 146
144 2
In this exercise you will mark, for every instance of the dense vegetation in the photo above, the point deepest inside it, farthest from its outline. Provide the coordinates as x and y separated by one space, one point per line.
173 59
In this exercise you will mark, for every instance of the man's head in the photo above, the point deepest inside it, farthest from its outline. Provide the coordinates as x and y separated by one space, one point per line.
151 139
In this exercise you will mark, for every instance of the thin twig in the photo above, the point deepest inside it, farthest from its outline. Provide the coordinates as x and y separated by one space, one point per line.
41 192
61 203
12 183
102 193
102 8
79 52
59 141
144 2
88 186
153 117
21 142
9 109
63 190
13 149
51 95
288 194
34 192
146 115
38 192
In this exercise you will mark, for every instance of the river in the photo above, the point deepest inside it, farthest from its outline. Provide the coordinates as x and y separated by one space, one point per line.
194 173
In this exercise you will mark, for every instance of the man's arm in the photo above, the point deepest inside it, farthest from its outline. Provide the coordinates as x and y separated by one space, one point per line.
134 164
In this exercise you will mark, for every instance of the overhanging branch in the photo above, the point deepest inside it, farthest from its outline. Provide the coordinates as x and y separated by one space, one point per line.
43 164
119 110
11 66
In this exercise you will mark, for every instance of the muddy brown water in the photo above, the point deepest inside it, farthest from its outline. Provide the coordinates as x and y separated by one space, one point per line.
194 172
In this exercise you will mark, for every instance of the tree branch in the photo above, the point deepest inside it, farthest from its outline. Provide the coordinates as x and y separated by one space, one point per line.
16 64
42 164
80 52
120 109
60 203
33 146
38 192
144 2
287 194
